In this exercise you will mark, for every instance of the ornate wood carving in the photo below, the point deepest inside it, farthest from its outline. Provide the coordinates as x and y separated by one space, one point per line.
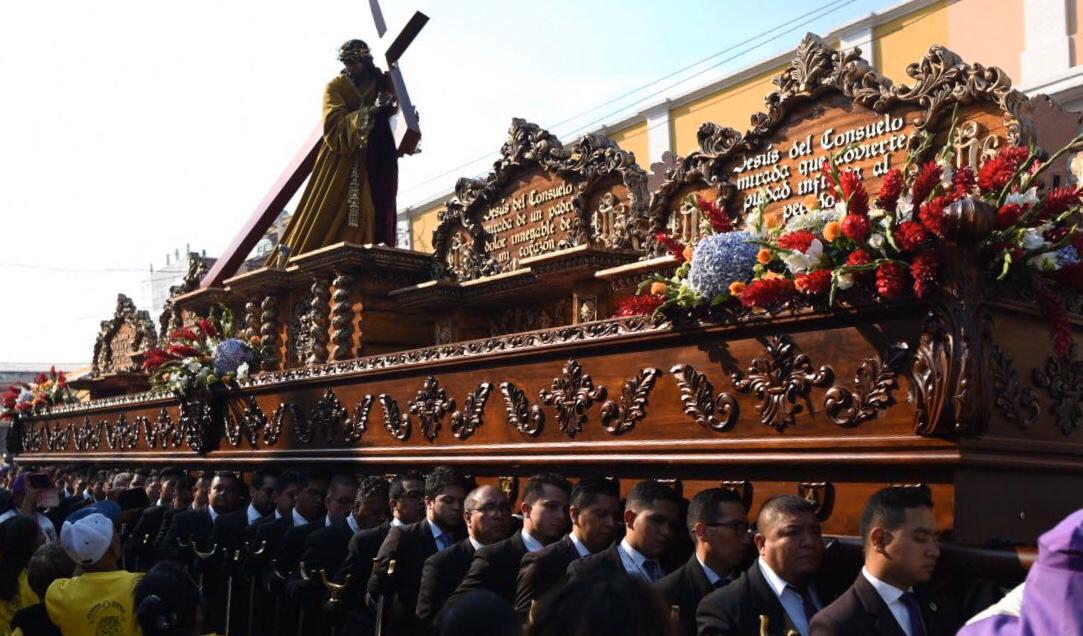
622 417
941 383
170 317
251 320
520 318
700 403
278 420
196 424
820 494
571 395
1018 405
397 422
743 489
129 331
317 319
510 487
1062 378
232 427
57 437
874 381
88 435
431 405
358 422
253 421
779 378
464 423
341 318
525 418
328 416
268 332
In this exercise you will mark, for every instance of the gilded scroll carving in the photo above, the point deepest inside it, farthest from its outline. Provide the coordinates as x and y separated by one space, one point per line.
779 378
1062 378
358 422
622 417
431 405
1018 405
397 422
571 395
821 494
874 381
942 389
57 437
232 428
466 422
718 413
317 319
522 416
341 318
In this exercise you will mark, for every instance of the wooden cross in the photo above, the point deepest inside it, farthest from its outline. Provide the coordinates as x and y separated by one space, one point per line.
404 126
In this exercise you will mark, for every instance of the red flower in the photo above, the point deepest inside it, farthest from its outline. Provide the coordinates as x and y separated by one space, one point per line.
828 174
890 281
799 240
932 215
998 171
155 358
179 350
720 221
184 333
927 178
923 270
858 257
853 189
1055 311
41 379
208 327
1060 200
61 380
856 227
639 305
675 247
910 235
890 189
814 283
764 292
1008 215
962 183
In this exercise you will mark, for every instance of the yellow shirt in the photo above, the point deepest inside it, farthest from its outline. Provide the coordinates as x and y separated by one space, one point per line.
24 598
94 603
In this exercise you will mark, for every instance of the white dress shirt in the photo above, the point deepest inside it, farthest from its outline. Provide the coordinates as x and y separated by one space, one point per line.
298 519
278 515
253 514
579 546
351 522
712 576
532 544
396 523
474 542
213 513
891 596
633 561
791 600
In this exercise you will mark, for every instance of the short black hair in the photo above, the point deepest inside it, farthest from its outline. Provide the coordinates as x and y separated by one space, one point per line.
310 475
286 479
186 482
229 474
48 563
645 493
887 507
373 486
166 601
440 479
703 508
341 479
262 474
171 473
536 484
783 505
398 485
587 491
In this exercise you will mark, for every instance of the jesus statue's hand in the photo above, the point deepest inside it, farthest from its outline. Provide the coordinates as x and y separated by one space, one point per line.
385 103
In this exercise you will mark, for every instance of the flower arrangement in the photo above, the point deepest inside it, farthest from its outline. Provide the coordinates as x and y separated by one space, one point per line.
48 389
201 356
889 245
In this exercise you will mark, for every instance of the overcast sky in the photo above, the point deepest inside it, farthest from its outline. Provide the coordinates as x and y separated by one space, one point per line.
129 129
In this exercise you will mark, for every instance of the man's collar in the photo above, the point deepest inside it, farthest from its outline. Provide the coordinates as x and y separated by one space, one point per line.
638 557
396 523
532 544
580 547
278 515
887 591
212 512
437 531
253 514
774 581
474 542
712 576
351 521
298 519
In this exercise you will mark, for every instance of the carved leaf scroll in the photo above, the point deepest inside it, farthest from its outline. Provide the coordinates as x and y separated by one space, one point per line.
779 378
431 405
328 417
572 394
1062 377
718 413
874 381
526 418
397 422
1018 405
466 422
623 417
358 422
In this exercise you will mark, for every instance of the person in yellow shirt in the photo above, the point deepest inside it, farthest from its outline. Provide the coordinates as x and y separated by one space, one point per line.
167 602
19 537
48 564
98 599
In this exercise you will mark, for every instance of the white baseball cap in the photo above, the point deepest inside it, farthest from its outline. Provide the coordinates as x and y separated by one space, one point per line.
86 539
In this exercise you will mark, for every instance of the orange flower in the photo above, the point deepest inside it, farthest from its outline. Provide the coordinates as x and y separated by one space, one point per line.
736 287
771 275
688 252
658 288
801 282
832 231
763 257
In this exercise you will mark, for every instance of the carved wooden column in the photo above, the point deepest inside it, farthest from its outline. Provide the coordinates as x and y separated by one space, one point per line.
268 332
341 318
251 320
318 320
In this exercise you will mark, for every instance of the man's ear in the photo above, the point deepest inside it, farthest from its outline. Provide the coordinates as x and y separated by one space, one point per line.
878 539
524 509
700 530
630 518
760 540
573 515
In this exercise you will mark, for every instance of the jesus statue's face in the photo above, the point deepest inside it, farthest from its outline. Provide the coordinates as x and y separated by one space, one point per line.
360 70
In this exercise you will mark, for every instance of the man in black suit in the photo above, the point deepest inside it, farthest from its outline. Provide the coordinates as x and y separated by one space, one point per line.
230 531
264 539
139 549
545 519
779 585
889 597
594 513
718 524
409 546
650 514
488 520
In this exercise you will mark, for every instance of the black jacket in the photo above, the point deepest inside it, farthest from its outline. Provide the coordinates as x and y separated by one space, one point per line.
607 560
181 532
440 576
860 611
685 588
139 548
736 608
34 621
496 567
543 572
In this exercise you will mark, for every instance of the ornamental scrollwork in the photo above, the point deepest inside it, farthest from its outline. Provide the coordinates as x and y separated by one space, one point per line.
718 413
161 431
522 416
128 332
358 421
466 422
396 422
57 437
328 416
196 424
278 421
1062 378
431 405
253 421
622 417
1018 405
779 378
88 435
571 395
874 382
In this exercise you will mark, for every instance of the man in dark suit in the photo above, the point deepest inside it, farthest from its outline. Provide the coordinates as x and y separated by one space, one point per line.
779 585
900 534
545 518
488 520
718 524
409 546
264 540
594 510
650 514
139 549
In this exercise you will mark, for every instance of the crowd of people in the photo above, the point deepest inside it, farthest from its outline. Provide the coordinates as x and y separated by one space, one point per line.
307 553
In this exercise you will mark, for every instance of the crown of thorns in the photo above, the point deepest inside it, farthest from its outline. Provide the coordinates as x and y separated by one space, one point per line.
353 51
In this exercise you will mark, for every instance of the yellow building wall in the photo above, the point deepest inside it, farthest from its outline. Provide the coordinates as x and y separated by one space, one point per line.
907 39
422 225
989 38
634 140
732 106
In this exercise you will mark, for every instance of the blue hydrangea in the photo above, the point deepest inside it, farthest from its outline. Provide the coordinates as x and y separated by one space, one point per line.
230 354
1066 257
722 259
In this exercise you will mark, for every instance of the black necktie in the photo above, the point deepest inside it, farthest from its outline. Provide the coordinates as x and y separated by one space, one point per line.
653 570
806 601
913 610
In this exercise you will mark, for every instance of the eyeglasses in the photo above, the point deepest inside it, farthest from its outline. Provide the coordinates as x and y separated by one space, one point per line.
739 526
493 508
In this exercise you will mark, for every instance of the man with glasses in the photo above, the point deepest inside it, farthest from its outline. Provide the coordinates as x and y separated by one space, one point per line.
545 520
488 520
718 523
779 585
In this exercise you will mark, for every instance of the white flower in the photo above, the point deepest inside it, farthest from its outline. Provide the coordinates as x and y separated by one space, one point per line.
1030 197
194 366
904 209
876 212
845 280
799 263
1044 262
242 372
1033 239
840 208
876 241
26 395
947 173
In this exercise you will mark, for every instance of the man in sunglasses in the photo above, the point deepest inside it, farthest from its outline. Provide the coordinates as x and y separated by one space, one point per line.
718 523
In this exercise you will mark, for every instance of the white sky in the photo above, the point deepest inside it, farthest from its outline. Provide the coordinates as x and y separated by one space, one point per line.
129 129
